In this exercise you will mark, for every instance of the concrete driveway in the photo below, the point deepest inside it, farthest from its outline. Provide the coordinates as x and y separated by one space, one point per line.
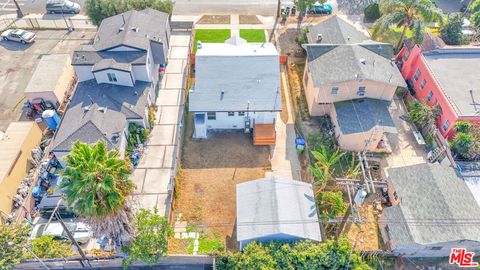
18 62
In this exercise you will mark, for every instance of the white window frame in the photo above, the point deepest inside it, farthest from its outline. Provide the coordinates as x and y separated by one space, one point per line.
406 55
446 125
361 91
334 90
231 113
422 84
429 96
211 116
241 113
417 74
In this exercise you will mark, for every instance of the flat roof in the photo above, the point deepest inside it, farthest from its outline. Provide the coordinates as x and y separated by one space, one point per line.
457 73
49 70
11 144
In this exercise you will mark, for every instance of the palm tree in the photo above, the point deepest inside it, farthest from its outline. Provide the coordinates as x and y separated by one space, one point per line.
406 13
323 169
96 188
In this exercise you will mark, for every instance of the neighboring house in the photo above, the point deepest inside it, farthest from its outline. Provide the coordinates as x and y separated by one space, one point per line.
128 47
335 30
103 112
354 82
470 172
276 208
16 146
447 78
433 211
237 86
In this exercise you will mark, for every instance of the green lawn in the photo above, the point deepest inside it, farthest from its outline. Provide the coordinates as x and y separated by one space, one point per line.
393 34
253 35
211 36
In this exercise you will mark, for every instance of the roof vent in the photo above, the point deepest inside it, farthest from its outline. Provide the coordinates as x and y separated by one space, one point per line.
86 108
319 38
222 94
121 29
135 29
135 93
102 109
363 61
348 37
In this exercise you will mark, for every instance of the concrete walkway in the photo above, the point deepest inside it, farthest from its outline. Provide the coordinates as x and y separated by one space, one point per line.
284 155
235 26
156 171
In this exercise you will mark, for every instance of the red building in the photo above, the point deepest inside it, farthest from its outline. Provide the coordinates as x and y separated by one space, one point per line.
449 78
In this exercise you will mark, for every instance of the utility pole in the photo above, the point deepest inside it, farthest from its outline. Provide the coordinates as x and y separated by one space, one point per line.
80 251
19 11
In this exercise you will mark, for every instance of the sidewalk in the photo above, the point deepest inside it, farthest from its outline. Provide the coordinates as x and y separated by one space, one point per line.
284 155
155 173
48 21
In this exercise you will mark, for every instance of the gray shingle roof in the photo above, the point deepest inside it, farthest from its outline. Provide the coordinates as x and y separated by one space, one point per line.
330 64
120 103
87 55
435 206
246 73
136 25
335 30
111 63
276 205
457 72
362 115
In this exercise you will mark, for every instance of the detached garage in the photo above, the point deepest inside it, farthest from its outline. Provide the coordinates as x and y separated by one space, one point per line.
52 80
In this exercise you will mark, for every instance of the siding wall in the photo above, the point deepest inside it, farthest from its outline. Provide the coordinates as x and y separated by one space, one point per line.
141 73
223 121
84 73
123 78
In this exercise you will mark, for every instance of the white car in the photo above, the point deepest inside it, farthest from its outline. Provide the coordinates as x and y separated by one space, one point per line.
19 35
80 231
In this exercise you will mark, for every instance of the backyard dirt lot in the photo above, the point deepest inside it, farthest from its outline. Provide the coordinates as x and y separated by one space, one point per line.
206 187
18 62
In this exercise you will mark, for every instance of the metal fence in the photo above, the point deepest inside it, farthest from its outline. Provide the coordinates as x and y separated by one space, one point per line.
44 22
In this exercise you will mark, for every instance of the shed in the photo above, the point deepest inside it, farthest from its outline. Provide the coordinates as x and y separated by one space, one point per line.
16 147
51 80
276 208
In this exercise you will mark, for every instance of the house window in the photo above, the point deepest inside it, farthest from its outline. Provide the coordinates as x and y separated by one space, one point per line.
387 230
446 125
334 90
241 113
429 96
395 195
211 116
361 91
112 77
406 55
422 84
231 113
436 248
417 75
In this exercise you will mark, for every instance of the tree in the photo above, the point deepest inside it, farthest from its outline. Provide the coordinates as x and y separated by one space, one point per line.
151 235
331 255
323 169
372 12
98 10
405 14
96 188
12 242
463 126
420 113
461 144
330 204
47 247
451 32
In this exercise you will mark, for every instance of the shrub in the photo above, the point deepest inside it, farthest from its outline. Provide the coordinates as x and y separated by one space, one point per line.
463 126
47 247
475 19
420 113
451 32
372 12
461 144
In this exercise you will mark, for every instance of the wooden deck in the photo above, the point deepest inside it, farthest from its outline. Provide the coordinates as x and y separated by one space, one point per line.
264 134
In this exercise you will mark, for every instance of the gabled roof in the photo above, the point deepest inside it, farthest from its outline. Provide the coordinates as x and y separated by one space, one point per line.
329 64
139 27
100 112
111 64
435 206
87 55
236 78
276 205
362 115
335 30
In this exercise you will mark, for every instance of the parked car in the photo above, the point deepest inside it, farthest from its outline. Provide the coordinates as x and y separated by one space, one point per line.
81 232
319 8
19 35
62 6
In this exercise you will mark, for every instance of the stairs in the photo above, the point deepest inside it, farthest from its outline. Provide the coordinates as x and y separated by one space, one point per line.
264 134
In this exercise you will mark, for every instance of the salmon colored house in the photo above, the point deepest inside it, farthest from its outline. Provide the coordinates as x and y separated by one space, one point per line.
449 78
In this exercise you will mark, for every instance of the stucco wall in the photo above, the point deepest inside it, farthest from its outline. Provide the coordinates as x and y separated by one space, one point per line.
10 184
84 73
141 73
223 121
416 60
123 78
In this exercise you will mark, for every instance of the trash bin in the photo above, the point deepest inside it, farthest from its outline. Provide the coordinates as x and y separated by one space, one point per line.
300 144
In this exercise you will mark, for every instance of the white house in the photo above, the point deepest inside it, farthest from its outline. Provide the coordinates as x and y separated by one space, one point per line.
276 208
237 86
128 47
